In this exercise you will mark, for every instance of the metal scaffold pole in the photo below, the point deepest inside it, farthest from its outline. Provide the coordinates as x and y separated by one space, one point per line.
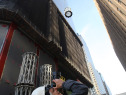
26 78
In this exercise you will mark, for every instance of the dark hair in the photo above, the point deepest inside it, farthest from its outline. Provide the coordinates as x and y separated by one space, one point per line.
47 93
47 90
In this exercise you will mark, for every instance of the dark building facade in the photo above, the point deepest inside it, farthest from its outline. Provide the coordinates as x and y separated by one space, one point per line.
38 27
113 14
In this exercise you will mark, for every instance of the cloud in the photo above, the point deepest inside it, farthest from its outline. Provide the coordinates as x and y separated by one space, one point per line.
85 29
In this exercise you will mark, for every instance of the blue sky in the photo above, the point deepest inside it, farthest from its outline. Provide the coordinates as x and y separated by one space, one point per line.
88 23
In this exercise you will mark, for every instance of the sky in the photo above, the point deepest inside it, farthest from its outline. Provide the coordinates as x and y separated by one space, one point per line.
87 22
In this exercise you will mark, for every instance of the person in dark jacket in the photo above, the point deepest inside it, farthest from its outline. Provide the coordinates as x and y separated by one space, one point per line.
75 87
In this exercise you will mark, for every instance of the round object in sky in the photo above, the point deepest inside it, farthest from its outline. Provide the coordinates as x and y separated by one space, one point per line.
68 12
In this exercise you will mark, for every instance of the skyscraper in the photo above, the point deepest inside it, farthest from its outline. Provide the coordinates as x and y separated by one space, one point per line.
113 14
100 88
95 90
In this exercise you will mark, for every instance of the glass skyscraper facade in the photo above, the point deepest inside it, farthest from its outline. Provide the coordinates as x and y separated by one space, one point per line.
97 80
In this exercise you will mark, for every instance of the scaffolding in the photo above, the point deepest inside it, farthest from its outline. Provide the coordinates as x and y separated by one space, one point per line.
26 78
46 74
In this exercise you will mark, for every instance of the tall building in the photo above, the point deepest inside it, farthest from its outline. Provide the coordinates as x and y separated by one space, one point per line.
99 86
95 90
113 14
104 89
38 27
107 89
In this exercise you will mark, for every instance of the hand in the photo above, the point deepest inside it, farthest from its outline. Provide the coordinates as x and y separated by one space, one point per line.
54 91
58 82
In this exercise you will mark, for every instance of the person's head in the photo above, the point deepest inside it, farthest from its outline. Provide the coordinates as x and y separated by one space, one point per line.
54 91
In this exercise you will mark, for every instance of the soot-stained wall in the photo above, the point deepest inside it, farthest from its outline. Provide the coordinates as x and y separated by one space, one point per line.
58 34
35 10
19 45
